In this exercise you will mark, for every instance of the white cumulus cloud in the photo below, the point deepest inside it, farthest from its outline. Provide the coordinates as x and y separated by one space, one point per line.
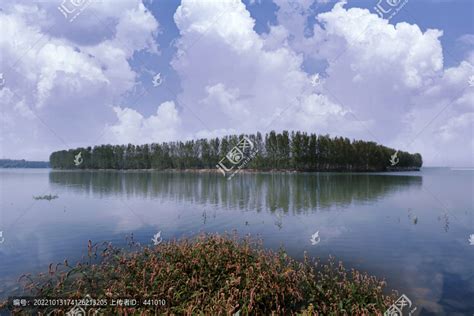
69 74
133 127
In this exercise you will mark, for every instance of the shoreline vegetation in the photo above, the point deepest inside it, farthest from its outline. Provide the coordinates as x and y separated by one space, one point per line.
250 171
12 163
285 151
210 275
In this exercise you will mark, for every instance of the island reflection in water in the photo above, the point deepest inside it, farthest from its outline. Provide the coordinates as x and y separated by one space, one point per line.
393 225
264 191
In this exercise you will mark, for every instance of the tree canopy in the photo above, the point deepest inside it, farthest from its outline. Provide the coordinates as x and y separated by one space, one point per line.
282 151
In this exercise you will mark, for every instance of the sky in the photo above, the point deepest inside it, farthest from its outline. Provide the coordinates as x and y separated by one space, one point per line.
402 76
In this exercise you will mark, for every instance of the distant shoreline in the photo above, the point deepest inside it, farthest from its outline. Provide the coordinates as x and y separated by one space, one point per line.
22 163
25 168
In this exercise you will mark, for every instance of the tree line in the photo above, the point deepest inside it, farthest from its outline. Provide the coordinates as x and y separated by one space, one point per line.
283 151
12 163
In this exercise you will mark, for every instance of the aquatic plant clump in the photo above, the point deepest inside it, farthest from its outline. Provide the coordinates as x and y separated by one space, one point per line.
214 275
47 197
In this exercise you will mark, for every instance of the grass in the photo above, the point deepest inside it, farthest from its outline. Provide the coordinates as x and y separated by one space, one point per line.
213 275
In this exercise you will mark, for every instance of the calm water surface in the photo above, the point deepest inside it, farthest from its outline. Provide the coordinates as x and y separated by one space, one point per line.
411 228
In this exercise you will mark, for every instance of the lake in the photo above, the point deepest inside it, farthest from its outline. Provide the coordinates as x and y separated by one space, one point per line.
411 228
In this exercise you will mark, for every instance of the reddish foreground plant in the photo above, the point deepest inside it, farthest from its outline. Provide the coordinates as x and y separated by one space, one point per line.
212 275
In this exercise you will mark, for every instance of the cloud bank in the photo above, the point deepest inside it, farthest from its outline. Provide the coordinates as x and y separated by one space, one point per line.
381 81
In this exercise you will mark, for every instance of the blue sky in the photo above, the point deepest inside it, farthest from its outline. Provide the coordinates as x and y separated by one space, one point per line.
229 67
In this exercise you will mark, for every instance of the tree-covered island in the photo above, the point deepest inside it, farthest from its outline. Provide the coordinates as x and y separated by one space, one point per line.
295 151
